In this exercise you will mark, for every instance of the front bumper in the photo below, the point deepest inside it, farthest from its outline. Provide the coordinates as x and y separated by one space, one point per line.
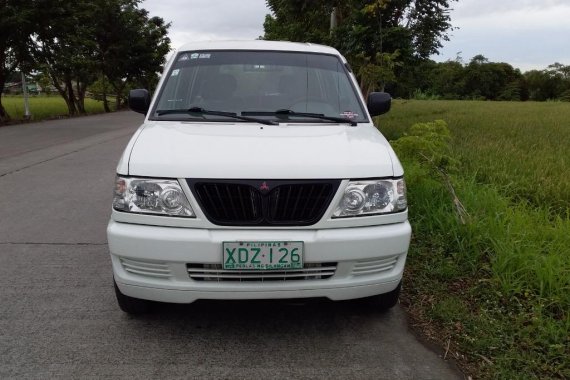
150 262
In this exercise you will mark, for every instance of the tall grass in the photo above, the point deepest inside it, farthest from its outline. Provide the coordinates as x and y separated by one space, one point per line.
521 148
497 285
44 107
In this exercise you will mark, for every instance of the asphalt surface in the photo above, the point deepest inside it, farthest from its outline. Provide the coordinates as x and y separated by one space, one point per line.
58 314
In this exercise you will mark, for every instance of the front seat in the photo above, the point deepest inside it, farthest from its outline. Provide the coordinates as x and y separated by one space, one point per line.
218 93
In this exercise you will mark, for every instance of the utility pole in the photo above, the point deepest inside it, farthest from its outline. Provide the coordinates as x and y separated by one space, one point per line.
333 20
27 114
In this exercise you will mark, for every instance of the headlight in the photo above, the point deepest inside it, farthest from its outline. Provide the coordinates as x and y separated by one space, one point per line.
370 197
151 196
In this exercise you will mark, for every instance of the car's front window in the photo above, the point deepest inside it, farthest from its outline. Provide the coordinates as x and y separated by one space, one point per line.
258 83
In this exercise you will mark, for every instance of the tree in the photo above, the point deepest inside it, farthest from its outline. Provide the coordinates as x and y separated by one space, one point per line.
16 20
414 27
448 80
366 31
116 43
560 74
298 20
65 51
488 80
559 69
131 47
413 78
547 84
375 76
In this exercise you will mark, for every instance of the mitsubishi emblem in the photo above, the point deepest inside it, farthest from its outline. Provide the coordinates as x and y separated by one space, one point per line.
264 187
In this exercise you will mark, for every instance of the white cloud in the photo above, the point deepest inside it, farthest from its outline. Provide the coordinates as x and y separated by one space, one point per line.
541 19
476 8
527 34
200 20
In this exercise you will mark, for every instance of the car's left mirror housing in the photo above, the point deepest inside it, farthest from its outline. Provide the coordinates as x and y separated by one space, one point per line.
139 100
378 103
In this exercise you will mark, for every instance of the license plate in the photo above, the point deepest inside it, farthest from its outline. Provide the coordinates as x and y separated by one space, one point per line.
263 255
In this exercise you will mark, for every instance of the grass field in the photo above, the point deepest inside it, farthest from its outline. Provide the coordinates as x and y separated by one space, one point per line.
44 107
493 289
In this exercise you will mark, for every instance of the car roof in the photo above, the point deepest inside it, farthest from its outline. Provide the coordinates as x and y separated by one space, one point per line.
259 45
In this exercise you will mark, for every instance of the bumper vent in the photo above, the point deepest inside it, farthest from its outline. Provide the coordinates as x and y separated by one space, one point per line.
374 266
214 272
264 203
146 268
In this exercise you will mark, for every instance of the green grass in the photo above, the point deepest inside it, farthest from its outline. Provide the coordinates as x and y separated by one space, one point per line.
497 288
44 107
521 148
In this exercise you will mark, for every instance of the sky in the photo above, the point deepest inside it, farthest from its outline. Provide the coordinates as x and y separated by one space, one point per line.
528 34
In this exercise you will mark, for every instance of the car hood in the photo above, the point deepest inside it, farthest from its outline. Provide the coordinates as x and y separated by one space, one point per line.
254 151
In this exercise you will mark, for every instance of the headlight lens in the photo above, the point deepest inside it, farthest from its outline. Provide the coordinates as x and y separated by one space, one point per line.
151 196
370 197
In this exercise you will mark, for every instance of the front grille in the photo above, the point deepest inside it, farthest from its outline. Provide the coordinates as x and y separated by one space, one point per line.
298 202
264 203
215 272
230 202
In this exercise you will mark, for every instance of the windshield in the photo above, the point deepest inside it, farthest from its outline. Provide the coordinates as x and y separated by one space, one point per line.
258 82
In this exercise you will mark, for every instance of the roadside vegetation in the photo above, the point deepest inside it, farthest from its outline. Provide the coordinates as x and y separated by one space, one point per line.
488 275
47 107
76 48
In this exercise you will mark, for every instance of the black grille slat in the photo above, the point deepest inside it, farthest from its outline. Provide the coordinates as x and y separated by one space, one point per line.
230 196
308 202
320 196
299 191
243 209
212 204
255 203
221 205
264 203
287 197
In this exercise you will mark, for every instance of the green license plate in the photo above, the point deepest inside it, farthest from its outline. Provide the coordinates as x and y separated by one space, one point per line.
262 255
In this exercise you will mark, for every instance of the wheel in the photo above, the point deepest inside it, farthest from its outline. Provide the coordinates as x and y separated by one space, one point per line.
130 305
386 301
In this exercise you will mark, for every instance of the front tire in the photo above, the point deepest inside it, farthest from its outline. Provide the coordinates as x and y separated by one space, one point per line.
130 305
386 301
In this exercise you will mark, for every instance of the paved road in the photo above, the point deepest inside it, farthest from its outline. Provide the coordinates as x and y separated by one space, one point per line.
58 316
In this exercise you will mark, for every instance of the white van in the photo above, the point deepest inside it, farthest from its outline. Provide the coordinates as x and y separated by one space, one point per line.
258 174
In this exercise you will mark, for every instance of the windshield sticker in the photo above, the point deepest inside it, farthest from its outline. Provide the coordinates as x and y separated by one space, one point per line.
183 58
194 55
349 114
204 55
175 72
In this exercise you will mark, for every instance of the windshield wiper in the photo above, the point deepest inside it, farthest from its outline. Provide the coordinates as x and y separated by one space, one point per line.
202 111
285 112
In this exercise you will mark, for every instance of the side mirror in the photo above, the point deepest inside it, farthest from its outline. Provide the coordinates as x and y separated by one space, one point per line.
378 103
139 100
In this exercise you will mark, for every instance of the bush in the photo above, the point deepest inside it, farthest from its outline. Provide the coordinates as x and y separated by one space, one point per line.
494 281
565 96
420 95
